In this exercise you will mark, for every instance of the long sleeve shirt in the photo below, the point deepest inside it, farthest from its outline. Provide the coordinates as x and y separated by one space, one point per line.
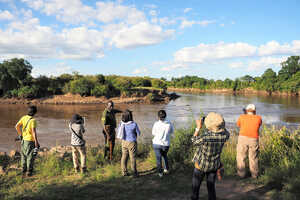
209 148
162 131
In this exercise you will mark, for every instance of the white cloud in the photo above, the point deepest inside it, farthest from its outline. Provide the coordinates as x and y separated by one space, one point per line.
186 23
186 10
211 52
274 48
174 66
236 65
265 62
35 4
59 69
140 71
167 21
153 13
31 40
141 34
6 15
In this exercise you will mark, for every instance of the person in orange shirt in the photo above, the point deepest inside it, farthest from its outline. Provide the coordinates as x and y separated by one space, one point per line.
248 141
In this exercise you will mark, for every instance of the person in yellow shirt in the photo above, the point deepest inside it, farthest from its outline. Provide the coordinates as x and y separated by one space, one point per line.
29 139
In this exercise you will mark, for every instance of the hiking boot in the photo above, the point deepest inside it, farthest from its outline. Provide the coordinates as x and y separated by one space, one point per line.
166 171
76 170
160 175
125 174
29 173
83 170
135 175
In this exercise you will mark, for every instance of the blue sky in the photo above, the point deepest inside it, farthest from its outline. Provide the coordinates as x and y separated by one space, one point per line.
169 38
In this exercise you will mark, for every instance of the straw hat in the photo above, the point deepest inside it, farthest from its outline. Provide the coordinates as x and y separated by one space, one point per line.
214 122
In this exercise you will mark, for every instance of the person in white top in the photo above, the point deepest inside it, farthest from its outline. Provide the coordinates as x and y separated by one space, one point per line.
162 130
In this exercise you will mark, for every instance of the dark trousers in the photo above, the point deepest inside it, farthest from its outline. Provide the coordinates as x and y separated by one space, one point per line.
210 181
161 154
109 144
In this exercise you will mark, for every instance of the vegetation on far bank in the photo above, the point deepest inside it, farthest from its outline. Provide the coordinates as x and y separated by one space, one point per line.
286 80
16 81
54 177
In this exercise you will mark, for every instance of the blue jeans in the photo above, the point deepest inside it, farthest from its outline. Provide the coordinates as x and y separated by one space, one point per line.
161 154
210 181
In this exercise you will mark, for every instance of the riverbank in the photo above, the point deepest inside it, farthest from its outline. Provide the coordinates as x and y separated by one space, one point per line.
246 91
142 96
54 177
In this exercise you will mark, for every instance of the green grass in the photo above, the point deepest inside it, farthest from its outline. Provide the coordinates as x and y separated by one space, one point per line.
55 179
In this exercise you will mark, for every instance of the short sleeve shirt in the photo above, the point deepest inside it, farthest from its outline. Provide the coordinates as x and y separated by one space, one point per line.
27 129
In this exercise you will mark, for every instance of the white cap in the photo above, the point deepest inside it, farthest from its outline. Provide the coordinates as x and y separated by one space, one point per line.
250 107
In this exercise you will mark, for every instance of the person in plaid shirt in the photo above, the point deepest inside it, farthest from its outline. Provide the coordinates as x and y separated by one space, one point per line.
207 155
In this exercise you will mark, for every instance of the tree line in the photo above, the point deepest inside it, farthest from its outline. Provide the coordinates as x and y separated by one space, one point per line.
16 81
286 80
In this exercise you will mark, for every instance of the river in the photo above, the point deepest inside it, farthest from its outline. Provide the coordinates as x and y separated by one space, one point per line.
53 119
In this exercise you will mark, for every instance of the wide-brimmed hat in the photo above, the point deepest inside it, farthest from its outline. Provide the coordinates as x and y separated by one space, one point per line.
251 107
214 122
77 119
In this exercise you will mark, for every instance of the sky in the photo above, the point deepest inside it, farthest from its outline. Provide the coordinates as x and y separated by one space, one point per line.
157 38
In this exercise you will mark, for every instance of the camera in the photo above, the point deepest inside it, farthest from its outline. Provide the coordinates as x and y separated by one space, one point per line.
35 151
19 138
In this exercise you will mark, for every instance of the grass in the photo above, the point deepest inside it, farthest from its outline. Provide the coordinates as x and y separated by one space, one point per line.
54 177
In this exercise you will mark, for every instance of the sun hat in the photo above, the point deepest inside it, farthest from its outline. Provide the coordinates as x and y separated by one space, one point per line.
214 122
251 107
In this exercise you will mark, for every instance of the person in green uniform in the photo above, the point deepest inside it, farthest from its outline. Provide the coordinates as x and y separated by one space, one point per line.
29 140
109 124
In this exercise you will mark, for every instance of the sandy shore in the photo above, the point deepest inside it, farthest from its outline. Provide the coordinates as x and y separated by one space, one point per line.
77 99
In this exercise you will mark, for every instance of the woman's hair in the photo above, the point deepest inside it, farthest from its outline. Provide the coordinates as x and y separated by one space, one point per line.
127 116
162 114
32 110
77 119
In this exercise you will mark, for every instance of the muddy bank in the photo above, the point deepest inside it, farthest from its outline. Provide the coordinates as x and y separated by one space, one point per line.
147 97
249 91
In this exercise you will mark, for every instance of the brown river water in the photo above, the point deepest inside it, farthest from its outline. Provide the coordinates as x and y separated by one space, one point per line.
53 119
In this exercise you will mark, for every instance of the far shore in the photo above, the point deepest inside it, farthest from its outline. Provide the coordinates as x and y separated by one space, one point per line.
246 91
77 99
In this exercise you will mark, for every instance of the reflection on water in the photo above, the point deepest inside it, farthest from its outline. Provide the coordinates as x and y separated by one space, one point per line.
53 119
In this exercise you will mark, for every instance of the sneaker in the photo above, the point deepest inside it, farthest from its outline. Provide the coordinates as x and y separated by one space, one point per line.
166 171
160 175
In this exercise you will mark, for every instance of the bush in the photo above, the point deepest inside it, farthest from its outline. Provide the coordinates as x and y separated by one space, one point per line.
100 90
27 92
81 86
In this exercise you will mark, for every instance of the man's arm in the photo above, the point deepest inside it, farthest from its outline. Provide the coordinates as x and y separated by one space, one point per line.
34 135
117 111
18 128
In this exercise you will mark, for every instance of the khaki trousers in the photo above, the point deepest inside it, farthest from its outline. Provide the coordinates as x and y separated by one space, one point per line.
128 148
247 146
82 151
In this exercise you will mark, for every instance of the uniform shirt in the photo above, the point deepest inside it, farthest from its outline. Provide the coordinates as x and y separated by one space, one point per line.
109 118
249 125
27 129
209 148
